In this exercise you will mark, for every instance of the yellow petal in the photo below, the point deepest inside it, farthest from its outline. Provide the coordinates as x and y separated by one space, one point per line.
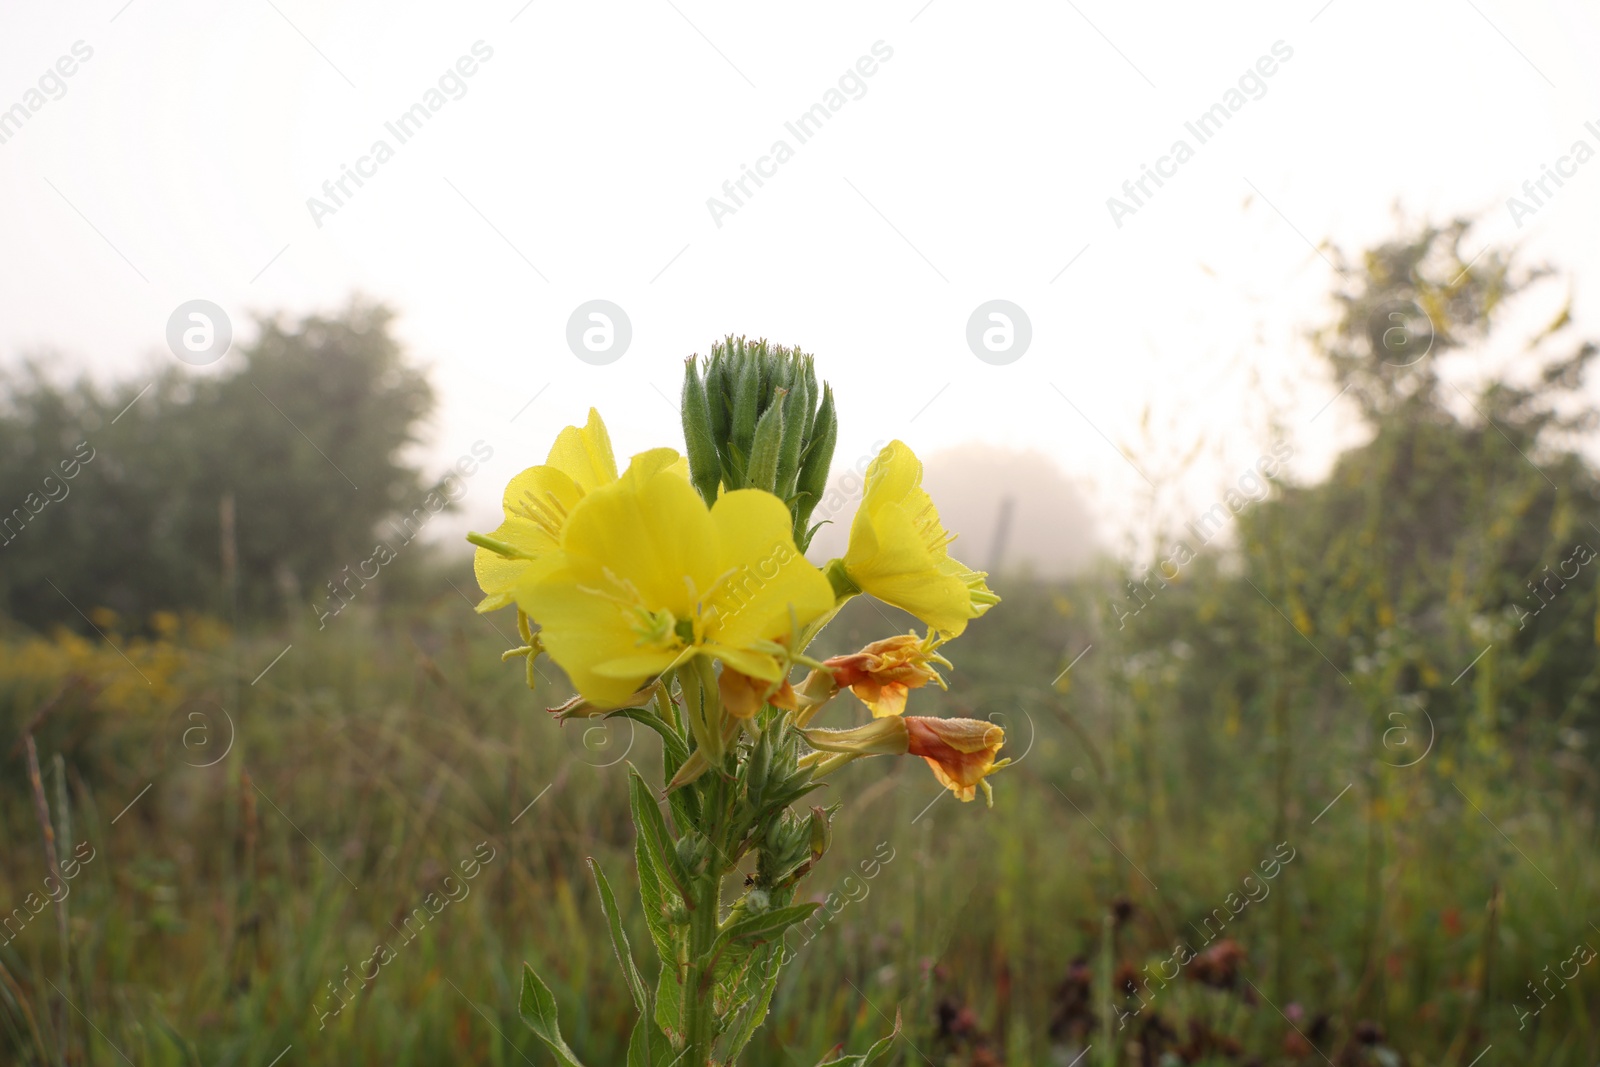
634 555
584 633
498 576
766 575
584 454
898 552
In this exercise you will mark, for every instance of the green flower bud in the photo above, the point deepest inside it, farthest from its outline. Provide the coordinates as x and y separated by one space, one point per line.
818 457
746 408
692 848
760 412
796 417
821 832
705 466
762 471
758 769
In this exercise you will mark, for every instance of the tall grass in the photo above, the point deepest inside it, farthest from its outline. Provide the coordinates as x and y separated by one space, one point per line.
226 903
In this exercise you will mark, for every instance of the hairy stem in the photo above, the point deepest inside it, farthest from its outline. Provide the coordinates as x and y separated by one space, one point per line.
700 1020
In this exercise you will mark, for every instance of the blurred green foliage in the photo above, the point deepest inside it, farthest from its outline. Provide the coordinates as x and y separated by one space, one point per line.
306 430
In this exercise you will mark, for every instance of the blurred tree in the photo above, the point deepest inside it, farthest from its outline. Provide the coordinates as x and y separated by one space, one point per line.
112 497
1469 519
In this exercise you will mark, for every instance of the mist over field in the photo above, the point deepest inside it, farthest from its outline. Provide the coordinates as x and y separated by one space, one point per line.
692 535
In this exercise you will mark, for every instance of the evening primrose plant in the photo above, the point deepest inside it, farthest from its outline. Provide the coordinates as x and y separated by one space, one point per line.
675 592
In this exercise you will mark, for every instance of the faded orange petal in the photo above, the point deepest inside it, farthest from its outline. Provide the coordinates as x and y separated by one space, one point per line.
743 695
961 752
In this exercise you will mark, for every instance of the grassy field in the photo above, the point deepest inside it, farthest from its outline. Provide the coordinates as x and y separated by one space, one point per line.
1276 880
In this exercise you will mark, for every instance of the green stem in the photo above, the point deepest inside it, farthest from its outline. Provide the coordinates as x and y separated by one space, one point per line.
700 1024
699 1010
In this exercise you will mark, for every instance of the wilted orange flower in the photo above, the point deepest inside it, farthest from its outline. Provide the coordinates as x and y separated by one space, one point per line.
882 673
960 751
743 696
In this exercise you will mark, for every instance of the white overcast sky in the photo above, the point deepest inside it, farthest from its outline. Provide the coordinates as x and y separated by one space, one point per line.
577 165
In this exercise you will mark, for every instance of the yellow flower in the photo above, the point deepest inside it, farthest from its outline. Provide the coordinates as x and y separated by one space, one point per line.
884 672
898 549
537 503
961 752
647 578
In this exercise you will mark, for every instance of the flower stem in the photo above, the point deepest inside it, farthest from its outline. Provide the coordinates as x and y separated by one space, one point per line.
698 992
700 1023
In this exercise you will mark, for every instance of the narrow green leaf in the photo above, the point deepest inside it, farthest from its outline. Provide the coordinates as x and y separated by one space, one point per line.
872 1055
676 750
654 899
619 940
766 926
685 805
652 829
755 1011
669 997
538 1010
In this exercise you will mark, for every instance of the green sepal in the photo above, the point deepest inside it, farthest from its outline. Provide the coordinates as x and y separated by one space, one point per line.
538 1009
619 940
872 1055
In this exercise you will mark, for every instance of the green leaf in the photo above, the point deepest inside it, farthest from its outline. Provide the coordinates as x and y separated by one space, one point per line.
654 898
649 1047
765 926
685 804
675 752
872 1055
653 831
538 1010
619 940
669 997
755 1011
